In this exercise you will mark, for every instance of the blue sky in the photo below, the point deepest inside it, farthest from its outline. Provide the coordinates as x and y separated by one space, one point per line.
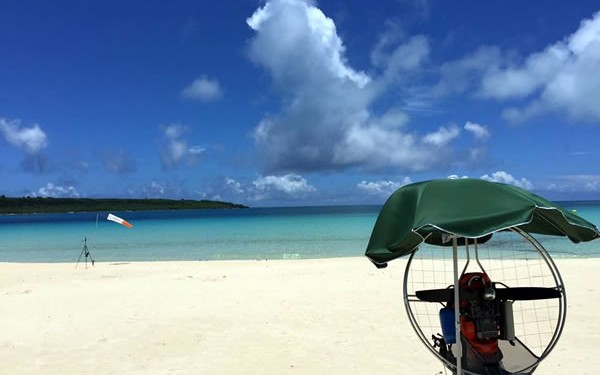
293 102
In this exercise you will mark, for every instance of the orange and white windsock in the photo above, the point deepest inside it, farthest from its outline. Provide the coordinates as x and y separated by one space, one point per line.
117 219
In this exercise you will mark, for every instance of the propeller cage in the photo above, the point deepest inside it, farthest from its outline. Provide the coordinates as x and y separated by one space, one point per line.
499 303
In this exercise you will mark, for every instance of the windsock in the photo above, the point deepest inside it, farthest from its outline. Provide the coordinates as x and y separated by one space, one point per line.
117 219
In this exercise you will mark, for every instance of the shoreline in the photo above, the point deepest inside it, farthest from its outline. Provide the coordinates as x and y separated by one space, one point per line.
567 256
301 316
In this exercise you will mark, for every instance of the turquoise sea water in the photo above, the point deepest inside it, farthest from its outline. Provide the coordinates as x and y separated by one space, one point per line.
255 233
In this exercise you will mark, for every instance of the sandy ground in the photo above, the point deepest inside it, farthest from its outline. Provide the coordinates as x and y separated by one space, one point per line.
334 316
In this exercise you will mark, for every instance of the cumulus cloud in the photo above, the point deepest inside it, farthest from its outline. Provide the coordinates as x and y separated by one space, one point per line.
397 59
203 89
56 191
234 185
442 137
291 184
30 139
394 118
562 77
294 29
266 189
465 74
507 178
175 149
480 132
327 121
382 188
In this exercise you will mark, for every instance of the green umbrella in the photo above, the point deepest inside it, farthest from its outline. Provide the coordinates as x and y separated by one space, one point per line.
432 211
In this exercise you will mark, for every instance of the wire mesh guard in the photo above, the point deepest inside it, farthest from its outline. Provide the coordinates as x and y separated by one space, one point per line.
510 259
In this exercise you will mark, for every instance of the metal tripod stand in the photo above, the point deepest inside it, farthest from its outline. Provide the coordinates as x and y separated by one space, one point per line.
85 252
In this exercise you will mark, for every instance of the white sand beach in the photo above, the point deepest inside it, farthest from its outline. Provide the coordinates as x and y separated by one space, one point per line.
331 316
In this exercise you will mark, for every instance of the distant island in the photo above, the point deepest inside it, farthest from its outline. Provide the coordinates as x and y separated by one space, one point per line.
30 205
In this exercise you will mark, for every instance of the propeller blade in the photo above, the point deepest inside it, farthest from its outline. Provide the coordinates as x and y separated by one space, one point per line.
526 293
435 295
503 294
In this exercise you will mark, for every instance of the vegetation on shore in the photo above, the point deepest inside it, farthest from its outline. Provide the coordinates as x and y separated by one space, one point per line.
29 205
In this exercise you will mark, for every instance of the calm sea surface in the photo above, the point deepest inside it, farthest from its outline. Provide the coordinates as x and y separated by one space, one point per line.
255 233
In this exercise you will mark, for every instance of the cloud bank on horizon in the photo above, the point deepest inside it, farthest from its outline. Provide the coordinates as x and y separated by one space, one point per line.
334 130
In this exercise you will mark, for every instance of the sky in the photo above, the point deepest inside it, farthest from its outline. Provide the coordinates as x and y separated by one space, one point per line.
297 102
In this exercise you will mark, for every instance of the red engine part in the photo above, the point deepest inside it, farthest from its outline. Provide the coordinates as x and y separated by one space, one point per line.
474 284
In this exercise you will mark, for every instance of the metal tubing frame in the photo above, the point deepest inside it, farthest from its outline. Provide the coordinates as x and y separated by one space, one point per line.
458 344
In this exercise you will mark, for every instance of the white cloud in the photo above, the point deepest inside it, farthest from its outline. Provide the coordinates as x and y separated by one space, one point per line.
31 139
376 147
576 183
407 57
196 150
466 73
175 150
173 131
294 29
157 187
163 189
200 194
563 77
580 153
56 191
480 132
234 185
499 176
507 178
442 136
382 188
393 119
203 89
327 121
291 184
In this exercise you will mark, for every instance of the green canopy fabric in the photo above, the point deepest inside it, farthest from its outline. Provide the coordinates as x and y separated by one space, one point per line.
467 208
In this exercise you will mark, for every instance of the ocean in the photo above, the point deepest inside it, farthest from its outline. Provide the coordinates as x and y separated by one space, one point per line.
246 234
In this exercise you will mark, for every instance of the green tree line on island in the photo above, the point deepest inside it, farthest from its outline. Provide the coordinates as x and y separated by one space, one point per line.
28 205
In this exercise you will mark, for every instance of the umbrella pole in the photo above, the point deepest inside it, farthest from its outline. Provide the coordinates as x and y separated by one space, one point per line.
457 308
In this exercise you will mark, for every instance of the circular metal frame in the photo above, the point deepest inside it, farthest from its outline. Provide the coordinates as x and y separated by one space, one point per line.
560 321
